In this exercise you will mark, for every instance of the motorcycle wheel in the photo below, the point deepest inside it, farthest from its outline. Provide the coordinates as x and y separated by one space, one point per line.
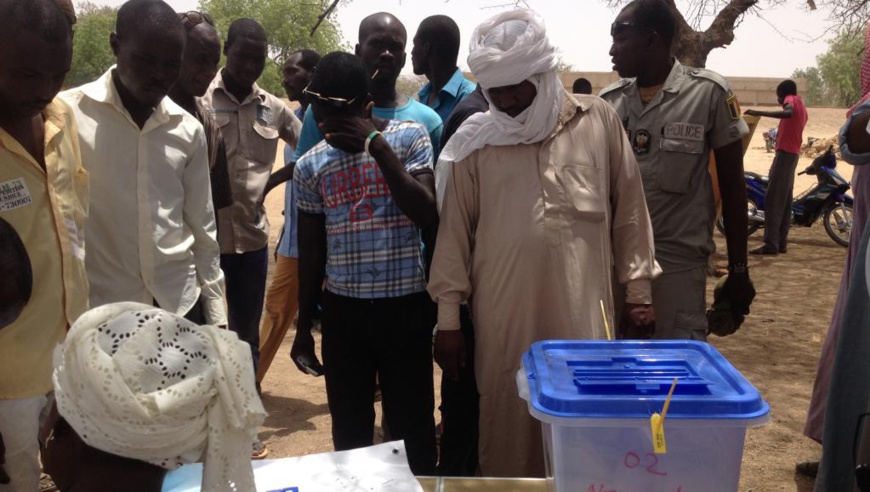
751 211
838 222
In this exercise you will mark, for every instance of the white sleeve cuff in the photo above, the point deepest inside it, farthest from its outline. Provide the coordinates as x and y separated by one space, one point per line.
215 311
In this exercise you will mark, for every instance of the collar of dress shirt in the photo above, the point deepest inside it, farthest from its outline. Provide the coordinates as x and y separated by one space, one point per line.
104 91
53 116
452 86
256 92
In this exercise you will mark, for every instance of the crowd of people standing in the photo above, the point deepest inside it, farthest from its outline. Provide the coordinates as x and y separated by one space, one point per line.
495 213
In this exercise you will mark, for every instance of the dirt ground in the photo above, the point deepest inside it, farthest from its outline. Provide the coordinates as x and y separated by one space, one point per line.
777 348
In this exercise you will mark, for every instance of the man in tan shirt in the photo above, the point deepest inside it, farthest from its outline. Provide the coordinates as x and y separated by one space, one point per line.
252 121
542 210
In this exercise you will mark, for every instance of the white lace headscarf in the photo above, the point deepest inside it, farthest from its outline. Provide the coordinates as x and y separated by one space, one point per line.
140 382
508 49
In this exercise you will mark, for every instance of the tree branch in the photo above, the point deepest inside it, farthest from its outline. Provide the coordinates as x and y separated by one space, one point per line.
721 30
322 17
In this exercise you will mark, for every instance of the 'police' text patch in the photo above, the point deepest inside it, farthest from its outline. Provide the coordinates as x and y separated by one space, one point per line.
684 131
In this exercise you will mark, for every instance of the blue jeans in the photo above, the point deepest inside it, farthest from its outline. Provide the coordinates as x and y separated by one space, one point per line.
245 275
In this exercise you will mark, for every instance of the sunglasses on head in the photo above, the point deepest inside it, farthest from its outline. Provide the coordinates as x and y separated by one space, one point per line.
336 102
619 25
193 18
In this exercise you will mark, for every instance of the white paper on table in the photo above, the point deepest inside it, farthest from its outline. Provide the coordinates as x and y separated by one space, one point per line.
380 468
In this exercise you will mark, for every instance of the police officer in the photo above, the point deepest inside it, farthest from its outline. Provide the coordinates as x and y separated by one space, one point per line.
673 116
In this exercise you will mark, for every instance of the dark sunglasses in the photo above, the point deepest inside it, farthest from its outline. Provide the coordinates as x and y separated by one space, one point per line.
193 18
336 102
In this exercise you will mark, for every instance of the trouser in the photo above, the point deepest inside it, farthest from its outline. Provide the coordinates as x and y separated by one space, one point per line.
390 338
680 304
245 275
460 412
282 299
19 425
777 201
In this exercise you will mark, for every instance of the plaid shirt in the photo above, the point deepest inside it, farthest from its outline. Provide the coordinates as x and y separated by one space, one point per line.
373 249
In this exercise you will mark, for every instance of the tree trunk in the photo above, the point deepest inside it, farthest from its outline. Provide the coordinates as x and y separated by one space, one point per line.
692 47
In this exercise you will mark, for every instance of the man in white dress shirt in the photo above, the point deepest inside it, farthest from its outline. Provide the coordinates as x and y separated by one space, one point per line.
151 219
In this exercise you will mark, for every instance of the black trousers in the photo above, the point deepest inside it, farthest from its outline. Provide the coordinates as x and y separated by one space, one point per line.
390 338
778 200
460 412
245 275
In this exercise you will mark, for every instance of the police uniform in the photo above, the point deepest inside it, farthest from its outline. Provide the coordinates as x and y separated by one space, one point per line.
672 136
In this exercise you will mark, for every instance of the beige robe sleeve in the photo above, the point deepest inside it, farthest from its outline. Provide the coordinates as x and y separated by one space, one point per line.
450 276
631 229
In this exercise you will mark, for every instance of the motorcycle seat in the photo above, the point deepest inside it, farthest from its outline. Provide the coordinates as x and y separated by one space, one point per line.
756 176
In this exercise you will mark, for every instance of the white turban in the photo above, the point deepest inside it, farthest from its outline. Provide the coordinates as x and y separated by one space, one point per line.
508 49
140 382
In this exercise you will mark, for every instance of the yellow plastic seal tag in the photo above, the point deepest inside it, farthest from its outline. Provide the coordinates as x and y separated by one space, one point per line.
604 315
657 424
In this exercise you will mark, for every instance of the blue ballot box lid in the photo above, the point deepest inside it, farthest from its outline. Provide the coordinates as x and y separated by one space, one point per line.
631 379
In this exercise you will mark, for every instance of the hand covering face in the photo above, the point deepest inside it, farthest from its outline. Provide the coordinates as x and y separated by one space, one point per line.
140 382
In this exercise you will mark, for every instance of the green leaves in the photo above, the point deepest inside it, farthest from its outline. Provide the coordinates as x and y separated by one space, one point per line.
837 80
287 24
92 55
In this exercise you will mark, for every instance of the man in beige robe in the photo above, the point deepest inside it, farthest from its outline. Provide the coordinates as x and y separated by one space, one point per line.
542 209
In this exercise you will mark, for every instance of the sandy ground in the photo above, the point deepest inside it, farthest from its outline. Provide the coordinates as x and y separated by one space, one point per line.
777 348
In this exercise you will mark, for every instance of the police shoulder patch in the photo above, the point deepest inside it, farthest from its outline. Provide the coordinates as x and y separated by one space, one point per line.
733 106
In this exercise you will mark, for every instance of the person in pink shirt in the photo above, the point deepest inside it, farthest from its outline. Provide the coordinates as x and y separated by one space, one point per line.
777 202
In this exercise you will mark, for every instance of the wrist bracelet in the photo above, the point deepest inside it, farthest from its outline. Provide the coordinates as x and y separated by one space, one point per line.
738 268
369 139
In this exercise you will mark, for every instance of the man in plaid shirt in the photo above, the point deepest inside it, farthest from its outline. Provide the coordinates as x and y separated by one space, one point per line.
363 195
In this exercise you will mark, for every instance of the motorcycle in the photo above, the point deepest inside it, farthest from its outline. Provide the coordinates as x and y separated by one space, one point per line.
770 139
827 199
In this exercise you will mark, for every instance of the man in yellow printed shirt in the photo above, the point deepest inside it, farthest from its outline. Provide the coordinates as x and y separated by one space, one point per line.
43 205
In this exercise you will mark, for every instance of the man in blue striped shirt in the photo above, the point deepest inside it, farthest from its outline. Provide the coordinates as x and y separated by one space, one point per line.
436 48
363 194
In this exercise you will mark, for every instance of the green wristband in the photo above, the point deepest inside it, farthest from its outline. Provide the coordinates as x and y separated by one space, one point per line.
369 139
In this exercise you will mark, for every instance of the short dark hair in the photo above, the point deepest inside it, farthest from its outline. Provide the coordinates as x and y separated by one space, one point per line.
656 15
374 21
442 33
340 74
582 86
151 13
245 28
41 17
787 88
308 59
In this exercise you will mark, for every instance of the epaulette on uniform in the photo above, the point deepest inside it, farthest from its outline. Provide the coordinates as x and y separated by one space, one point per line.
730 98
703 73
619 84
